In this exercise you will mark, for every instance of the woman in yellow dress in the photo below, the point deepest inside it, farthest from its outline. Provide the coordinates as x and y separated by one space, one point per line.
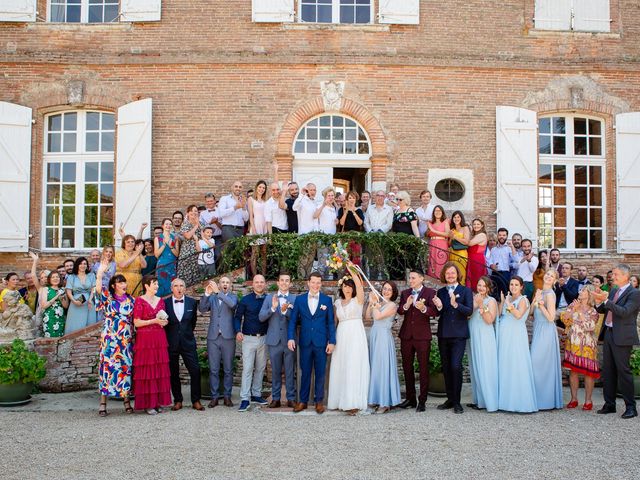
459 236
130 261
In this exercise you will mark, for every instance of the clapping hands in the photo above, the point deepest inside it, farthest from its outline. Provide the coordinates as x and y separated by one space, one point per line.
212 287
437 302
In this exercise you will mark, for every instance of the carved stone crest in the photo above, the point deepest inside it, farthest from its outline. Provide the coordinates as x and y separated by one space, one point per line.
332 93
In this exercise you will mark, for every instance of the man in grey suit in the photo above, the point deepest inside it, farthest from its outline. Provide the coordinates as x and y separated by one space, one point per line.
620 306
221 337
276 309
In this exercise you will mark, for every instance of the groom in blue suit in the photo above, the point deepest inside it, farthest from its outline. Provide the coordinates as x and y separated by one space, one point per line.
314 312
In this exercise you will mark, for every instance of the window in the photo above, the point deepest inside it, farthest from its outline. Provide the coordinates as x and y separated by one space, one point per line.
571 183
332 135
449 190
83 11
335 11
576 15
78 159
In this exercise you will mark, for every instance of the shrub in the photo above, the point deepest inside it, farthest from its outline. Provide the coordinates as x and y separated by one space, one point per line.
19 365
635 362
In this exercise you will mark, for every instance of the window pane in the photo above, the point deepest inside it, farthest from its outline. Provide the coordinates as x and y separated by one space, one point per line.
544 146
299 148
91 171
559 174
93 121
106 171
350 147
325 147
69 142
363 14
580 126
349 123
57 15
55 123
106 215
559 195
595 217
106 193
580 145
595 175
337 121
581 175
363 148
595 239
106 237
361 136
90 237
68 194
560 238
69 172
325 121
338 134
350 134
338 148
95 16
73 14
53 172
107 141
308 13
301 134
68 238
324 14
325 134
313 123
312 134
544 173
581 217
347 15
53 142
560 217
581 196
595 146
91 193
544 125
93 142
51 237
559 145
312 147
581 239
595 196
68 216
53 193
108 122
90 216
595 127
53 216
70 121
558 124
544 197
110 13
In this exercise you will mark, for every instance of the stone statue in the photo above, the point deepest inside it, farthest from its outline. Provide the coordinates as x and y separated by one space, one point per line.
17 320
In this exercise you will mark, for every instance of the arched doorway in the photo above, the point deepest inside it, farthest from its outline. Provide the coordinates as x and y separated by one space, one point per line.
332 150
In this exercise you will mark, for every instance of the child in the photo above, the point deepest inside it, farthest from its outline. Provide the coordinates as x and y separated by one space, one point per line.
206 258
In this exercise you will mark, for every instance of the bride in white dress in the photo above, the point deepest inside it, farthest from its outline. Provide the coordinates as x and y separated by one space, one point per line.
349 372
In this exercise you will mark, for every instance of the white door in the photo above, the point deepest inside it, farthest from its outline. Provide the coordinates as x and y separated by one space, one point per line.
628 181
321 176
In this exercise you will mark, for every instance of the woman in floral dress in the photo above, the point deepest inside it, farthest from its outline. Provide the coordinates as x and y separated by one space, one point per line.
581 347
116 306
188 260
53 301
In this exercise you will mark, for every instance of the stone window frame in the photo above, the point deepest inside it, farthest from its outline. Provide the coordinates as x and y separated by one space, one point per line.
546 194
84 11
335 9
81 158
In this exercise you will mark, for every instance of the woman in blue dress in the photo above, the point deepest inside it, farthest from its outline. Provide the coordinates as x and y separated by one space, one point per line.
167 249
384 385
79 287
483 363
516 388
545 347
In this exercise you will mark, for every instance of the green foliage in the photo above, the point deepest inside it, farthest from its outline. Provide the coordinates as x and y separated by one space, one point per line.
285 251
19 365
203 360
435 363
272 287
635 362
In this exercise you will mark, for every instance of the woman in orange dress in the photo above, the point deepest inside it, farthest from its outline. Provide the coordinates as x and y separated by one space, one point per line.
438 233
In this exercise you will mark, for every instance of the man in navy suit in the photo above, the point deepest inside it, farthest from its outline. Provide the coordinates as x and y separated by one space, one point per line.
276 310
567 289
182 312
314 312
221 337
455 304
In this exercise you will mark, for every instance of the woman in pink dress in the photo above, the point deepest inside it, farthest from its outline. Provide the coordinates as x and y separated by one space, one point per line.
151 376
258 226
438 233
476 266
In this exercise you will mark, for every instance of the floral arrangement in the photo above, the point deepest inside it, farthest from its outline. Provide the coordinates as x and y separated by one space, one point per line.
339 258
344 279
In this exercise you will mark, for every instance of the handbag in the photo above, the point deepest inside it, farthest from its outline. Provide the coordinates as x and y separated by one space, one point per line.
456 245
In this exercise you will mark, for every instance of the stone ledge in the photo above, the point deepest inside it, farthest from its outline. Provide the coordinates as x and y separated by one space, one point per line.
81 27
567 33
336 27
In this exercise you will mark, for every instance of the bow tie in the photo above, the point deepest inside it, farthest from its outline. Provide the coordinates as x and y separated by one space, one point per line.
415 292
313 296
259 296
280 295
178 301
451 288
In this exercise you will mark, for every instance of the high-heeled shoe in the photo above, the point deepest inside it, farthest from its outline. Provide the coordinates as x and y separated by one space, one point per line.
572 404
127 405
587 407
103 411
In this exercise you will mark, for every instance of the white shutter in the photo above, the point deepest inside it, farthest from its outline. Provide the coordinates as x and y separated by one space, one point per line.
15 161
18 10
516 171
399 11
141 10
133 165
553 15
628 181
321 177
273 11
591 15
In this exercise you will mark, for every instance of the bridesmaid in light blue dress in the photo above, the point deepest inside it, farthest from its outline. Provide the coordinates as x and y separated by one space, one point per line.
79 287
516 388
384 385
483 364
545 347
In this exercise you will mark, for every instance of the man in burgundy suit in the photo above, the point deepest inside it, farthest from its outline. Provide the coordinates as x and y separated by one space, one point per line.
416 304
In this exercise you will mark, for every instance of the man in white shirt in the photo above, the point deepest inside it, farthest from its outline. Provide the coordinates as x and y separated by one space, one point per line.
274 214
527 265
365 201
379 217
424 212
306 206
516 253
209 217
232 212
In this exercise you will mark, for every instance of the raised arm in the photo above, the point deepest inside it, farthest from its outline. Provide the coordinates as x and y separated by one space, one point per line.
34 264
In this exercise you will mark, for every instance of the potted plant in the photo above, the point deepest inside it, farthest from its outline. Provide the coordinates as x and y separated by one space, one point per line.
635 370
20 369
436 377
203 361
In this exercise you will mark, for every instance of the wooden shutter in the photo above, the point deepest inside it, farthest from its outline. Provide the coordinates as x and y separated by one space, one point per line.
15 158
591 15
628 181
133 165
322 177
405 12
516 171
553 15
273 11
18 10
141 10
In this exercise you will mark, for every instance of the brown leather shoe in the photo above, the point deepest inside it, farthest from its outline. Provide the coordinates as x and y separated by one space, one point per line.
213 403
320 408
197 406
177 406
299 407
228 402
275 404
291 404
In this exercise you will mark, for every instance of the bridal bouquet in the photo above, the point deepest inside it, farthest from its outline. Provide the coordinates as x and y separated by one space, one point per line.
339 258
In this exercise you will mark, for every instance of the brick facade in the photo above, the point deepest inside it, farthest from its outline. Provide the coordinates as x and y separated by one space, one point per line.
426 94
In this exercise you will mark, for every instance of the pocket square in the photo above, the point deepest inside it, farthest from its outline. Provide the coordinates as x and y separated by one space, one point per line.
323 307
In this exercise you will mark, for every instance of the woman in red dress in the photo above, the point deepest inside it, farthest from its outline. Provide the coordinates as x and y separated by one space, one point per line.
151 376
476 266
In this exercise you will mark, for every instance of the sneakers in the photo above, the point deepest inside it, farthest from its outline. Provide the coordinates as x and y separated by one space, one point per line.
244 406
259 401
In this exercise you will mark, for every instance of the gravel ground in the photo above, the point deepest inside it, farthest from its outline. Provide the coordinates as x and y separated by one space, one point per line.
61 436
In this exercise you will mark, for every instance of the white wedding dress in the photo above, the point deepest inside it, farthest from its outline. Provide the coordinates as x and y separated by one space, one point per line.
349 372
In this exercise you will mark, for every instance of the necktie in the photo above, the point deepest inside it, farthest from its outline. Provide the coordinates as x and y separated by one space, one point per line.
178 301
609 320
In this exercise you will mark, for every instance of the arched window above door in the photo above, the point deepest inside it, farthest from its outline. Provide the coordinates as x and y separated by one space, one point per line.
332 137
